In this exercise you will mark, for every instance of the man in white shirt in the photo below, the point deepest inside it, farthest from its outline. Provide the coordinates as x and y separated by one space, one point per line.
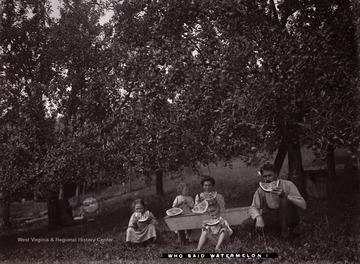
275 209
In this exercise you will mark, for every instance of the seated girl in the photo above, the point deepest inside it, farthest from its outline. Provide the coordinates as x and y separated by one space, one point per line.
216 231
142 225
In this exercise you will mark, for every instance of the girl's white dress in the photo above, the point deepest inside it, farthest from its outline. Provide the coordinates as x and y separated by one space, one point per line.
139 232
218 198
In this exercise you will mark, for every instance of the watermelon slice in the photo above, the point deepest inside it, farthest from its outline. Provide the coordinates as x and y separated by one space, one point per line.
174 211
209 195
144 217
200 207
213 221
268 187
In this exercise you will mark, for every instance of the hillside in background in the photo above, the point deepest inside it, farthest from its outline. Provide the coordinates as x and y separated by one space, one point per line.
234 179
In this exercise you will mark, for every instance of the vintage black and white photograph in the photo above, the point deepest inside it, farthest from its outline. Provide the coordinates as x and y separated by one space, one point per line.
179 131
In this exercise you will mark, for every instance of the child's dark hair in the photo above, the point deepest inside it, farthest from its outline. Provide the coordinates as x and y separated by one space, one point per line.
181 187
138 201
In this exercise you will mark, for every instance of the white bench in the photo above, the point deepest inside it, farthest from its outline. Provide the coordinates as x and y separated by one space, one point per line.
234 216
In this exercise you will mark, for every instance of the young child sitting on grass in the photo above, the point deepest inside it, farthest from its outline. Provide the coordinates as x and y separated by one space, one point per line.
143 226
186 203
216 230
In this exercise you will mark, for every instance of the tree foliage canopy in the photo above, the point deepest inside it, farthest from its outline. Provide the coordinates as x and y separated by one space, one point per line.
169 84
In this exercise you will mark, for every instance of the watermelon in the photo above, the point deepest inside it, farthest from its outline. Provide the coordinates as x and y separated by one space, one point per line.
213 221
200 207
174 211
144 217
209 195
267 187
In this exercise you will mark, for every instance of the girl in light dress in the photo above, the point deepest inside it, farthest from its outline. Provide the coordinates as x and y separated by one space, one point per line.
186 203
142 226
184 200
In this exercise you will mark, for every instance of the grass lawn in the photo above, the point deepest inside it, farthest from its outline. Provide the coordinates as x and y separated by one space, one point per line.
331 232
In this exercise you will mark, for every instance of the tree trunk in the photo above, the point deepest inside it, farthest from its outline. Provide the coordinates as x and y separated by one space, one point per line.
5 211
159 182
77 194
99 182
65 213
35 196
296 170
330 162
84 188
59 211
280 156
53 211
61 192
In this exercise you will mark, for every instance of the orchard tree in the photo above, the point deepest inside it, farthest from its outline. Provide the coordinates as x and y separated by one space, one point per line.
145 118
327 108
242 81
24 127
77 97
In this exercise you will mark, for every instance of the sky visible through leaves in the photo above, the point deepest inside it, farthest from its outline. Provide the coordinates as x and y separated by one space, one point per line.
56 11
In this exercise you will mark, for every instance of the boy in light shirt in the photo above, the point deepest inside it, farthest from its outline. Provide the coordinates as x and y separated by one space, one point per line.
216 231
